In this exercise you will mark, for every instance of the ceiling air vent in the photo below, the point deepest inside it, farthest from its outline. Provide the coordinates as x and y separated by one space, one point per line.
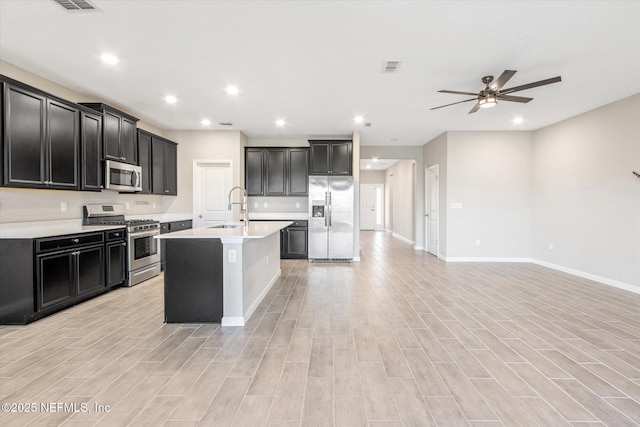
368 124
225 124
75 5
390 66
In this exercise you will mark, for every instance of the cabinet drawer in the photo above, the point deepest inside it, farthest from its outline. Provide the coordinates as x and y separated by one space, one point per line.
115 235
180 225
300 223
54 243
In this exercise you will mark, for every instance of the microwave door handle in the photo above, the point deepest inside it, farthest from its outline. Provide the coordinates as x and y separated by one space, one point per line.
137 183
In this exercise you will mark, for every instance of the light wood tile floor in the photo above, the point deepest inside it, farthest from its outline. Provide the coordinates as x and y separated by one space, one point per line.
399 339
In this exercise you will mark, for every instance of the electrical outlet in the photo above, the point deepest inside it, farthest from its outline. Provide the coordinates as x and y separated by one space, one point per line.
154 205
477 242
256 205
63 206
126 205
297 205
232 256
550 246
265 205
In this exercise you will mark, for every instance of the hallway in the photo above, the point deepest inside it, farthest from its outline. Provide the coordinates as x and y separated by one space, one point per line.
398 339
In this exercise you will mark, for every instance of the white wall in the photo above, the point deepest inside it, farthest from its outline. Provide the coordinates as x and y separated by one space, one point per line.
586 200
490 174
435 153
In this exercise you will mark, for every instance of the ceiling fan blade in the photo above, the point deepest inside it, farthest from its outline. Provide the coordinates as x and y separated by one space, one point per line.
531 85
458 92
504 78
514 98
453 103
475 108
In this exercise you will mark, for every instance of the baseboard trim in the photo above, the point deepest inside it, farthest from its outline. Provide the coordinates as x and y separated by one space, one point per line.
585 275
484 259
256 303
356 259
418 248
232 321
397 236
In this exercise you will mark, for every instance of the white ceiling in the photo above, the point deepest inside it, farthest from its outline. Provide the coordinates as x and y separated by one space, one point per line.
377 164
318 64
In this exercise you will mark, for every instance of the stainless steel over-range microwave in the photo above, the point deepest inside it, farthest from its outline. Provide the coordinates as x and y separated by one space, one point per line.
122 176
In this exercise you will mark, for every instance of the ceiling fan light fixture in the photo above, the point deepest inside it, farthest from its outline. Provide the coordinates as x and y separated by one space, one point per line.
488 101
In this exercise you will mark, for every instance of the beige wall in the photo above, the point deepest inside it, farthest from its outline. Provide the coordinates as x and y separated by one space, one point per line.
406 153
371 177
490 175
401 188
586 200
48 86
204 145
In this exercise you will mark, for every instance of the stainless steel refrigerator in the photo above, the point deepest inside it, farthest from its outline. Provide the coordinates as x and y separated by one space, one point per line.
330 218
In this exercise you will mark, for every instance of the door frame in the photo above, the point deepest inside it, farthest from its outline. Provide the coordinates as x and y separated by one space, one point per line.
435 168
198 165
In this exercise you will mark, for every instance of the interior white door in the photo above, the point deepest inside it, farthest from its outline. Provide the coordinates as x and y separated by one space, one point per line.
433 203
213 182
379 202
367 207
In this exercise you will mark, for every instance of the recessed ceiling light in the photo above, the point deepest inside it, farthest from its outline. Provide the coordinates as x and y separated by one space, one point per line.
232 90
517 120
280 122
358 119
170 99
205 122
109 58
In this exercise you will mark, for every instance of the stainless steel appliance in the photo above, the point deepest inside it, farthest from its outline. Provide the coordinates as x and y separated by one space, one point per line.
142 249
122 176
330 218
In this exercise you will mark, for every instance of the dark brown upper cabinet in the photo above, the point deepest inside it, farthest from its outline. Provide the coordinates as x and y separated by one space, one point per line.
118 133
330 157
163 162
40 139
91 171
277 171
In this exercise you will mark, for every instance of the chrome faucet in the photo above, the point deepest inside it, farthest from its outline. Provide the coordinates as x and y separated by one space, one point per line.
243 205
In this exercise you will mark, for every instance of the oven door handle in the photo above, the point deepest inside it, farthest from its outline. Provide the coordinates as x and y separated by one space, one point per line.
137 234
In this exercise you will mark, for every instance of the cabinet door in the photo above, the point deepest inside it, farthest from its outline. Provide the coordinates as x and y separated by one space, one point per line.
296 242
128 141
89 270
24 138
144 160
91 149
157 166
62 144
320 158
283 243
55 279
341 158
111 135
116 263
276 172
170 169
298 177
254 171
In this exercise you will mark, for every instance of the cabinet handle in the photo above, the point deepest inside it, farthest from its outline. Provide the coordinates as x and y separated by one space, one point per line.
75 253
75 240
116 234
166 191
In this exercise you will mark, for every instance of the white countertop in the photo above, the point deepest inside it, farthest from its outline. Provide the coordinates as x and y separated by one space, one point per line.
284 216
37 229
256 230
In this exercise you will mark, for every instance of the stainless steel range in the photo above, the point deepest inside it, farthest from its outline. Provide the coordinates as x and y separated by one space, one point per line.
143 250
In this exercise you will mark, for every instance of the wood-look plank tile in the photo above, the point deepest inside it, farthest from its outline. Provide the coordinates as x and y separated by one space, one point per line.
346 373
253 412
227 401
318 403
445 411
392 358
300 345
366 346
505 406
287 403
409 402
265 380
378 402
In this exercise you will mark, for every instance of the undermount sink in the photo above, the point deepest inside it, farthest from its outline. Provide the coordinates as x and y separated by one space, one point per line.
226 226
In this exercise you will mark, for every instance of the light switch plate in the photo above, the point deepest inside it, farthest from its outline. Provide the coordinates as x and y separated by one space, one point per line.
63 206
126 205
232 256
265 205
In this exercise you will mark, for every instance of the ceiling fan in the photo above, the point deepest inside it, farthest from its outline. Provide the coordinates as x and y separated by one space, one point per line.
493 92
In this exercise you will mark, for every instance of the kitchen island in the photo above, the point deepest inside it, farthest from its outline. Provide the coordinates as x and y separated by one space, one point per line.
220 273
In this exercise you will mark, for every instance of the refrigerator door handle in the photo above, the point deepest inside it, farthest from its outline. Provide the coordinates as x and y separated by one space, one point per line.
330 213
326 204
